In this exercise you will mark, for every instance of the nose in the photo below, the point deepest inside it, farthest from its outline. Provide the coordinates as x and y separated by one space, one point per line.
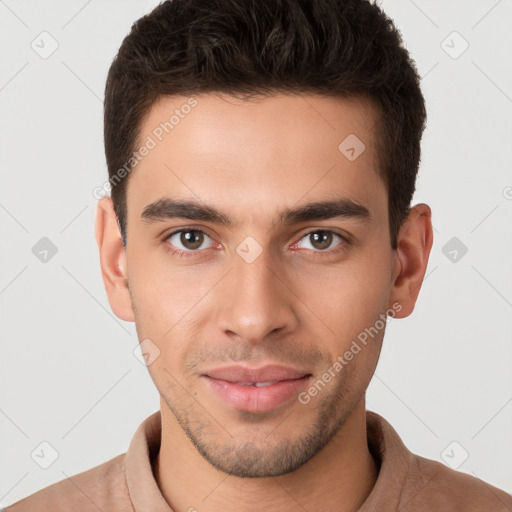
255 300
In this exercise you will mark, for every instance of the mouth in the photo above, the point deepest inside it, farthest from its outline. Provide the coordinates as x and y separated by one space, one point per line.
256 389
258 384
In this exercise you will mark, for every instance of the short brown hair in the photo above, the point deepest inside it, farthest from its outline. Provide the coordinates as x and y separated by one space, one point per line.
338 48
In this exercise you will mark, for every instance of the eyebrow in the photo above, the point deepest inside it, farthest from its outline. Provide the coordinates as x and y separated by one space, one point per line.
167 208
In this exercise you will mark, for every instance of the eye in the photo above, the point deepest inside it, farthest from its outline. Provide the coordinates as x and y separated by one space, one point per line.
320 240
189 240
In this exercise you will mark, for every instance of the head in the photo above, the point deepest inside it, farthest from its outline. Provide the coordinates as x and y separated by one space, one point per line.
263 157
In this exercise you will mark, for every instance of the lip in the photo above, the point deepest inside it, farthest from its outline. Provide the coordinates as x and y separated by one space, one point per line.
256 389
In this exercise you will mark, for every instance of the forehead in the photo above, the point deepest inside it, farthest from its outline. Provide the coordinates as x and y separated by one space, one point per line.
250 154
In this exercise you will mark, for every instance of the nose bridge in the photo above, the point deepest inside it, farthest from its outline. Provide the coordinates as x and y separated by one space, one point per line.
256 302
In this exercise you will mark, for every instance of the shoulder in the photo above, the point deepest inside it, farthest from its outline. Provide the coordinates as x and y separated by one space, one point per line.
100 488
437 487
411 483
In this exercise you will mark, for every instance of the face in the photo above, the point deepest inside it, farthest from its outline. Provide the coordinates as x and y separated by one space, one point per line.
258 259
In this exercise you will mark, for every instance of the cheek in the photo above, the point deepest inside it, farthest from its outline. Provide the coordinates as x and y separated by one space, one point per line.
350 299
164 292
170 304
350 295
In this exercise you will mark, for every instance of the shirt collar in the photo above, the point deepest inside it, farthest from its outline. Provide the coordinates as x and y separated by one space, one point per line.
388 450
393 460
144 446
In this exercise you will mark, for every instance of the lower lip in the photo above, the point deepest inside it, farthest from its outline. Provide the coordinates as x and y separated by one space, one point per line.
257 399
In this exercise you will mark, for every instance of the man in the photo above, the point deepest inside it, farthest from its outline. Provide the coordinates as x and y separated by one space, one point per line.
262 158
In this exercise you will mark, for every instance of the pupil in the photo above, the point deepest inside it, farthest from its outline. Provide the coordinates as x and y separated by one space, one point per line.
321 239
191 239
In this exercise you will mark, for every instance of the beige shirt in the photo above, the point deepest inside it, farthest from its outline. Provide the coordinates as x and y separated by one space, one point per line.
406 482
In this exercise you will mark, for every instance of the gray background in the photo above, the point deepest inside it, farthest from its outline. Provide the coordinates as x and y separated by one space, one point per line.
68 373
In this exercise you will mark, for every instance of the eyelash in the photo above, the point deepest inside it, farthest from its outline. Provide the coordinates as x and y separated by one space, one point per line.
342 246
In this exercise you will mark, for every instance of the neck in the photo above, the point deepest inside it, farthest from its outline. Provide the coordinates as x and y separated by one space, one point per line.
340 477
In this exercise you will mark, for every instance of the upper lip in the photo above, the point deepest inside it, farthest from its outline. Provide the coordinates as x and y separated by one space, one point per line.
268 373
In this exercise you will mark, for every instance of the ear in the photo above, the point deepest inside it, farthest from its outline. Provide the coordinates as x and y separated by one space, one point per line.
113 260
411 258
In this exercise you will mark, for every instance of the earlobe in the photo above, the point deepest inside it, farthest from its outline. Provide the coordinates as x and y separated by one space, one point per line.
414 244
113 260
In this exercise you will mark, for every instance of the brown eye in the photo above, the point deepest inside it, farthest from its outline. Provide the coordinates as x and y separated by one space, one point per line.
188 239
320 240
191 239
